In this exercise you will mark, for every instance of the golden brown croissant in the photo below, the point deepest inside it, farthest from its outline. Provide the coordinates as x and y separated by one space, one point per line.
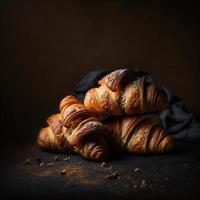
120 94
139 134
53 137
76 129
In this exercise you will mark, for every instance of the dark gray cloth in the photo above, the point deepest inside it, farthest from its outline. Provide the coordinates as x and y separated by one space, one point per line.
178 121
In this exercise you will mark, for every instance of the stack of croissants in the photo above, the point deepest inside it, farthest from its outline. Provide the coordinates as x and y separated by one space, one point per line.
132 124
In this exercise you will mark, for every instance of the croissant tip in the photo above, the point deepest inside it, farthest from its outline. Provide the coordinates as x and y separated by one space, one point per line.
100 156
167 144
96 150
43 138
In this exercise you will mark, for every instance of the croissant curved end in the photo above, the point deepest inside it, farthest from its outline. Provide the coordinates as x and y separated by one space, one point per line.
167 144
157 98
67 101
115 79
96 150
44 139
99 154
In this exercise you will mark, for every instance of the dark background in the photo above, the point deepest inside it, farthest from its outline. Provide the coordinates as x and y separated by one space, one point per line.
48 46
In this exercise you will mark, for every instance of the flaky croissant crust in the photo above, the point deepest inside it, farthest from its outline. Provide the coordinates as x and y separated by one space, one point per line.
53 137
76 129
120 92
139 134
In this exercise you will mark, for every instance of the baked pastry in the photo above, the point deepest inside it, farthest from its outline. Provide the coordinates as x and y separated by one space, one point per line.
139 134
77 129
53 137
124 97
120 93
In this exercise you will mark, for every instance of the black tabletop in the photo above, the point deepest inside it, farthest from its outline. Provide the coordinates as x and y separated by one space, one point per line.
169 176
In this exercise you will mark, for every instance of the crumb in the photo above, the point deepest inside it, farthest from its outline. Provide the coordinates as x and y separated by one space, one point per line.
63 172
56 158
41 164
67 158
104 164
166 178
110 167
50 164
79 163
27 161
137 169
135 186
143 184
114 175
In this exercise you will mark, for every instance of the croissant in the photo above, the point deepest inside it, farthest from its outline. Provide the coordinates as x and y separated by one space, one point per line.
53 137
120 93
140 134
77 129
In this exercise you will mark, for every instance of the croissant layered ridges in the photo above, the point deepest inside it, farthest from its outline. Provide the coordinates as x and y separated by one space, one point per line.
140 134
97 148
85 129
77 130
115 80
73 111
53 138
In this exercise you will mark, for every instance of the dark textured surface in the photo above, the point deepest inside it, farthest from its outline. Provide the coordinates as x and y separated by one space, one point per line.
169 176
